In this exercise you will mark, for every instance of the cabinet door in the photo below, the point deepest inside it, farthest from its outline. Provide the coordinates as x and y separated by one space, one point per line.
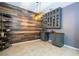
44 37
52 37
59 40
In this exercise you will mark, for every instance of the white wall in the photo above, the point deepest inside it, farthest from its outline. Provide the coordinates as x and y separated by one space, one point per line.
77 25
69 24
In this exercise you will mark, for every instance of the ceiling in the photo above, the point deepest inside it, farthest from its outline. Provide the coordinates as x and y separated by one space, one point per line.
40 6
33 6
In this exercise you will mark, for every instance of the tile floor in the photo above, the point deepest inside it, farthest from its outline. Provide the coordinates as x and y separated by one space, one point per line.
37 48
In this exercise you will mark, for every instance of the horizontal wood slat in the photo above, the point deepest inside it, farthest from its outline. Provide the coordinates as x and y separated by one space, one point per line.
23 26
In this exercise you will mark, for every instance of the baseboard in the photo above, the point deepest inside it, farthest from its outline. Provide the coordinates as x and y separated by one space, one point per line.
71 47
24 42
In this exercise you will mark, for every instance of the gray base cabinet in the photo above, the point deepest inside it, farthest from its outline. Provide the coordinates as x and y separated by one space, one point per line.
44 36
58 39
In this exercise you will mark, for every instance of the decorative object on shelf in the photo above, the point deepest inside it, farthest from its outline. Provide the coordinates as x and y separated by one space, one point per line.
4 31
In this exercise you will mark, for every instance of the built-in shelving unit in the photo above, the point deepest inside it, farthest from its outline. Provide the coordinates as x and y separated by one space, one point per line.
52 19
4 30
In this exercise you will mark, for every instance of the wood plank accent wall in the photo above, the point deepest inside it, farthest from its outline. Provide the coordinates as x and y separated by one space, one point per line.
23 26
